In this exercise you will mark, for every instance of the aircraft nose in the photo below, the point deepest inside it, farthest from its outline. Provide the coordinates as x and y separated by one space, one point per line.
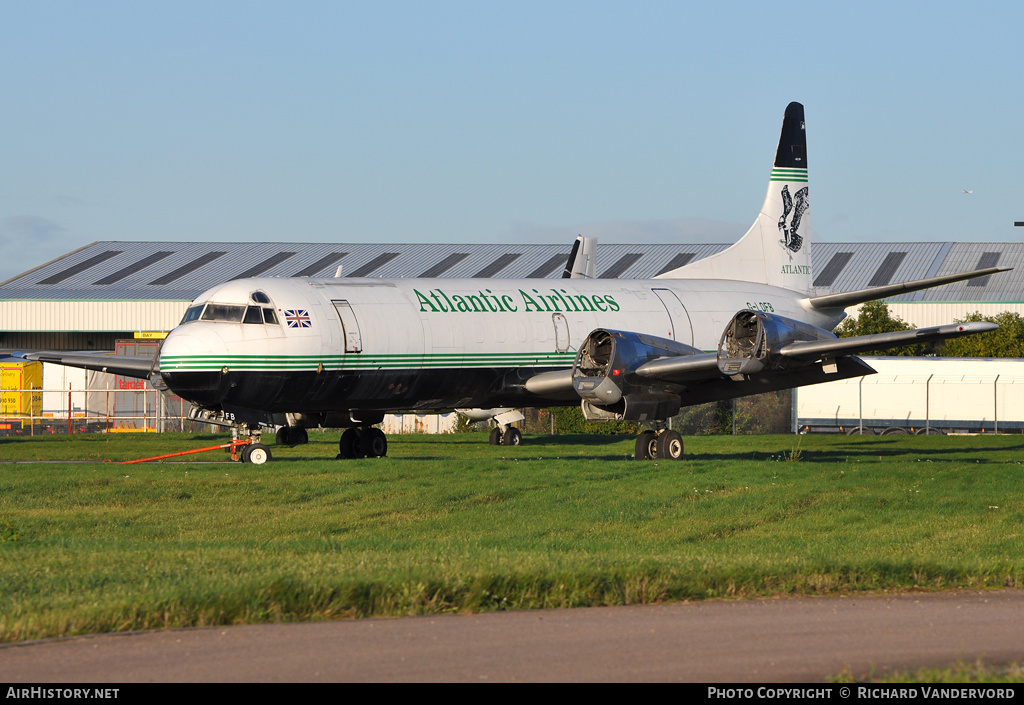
189 368
180 350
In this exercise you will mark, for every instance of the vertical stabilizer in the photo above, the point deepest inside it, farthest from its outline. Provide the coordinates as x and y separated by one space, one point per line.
777 248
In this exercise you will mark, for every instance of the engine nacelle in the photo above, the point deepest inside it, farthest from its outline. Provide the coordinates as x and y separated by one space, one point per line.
752 339
604 376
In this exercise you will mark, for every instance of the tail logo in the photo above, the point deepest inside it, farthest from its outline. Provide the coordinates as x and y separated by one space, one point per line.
793 209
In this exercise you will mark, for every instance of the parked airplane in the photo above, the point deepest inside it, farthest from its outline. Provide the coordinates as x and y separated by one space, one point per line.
297 353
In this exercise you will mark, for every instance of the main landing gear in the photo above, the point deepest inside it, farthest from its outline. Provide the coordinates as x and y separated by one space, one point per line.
506 436
291 436
362 442
664 444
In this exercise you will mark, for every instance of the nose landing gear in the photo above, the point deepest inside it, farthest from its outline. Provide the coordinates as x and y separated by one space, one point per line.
254 452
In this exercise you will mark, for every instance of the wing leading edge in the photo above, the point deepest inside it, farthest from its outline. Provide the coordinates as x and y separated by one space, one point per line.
124 365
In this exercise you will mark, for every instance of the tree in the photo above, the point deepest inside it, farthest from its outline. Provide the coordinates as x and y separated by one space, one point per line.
1008 341
874 317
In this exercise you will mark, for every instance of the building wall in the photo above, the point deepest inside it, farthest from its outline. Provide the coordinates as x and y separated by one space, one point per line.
91 315
46 340
419 423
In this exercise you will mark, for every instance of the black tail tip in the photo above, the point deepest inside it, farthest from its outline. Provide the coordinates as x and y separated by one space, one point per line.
792 152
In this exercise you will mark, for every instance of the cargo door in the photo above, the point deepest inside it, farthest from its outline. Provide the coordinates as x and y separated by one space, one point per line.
561 332
681 329
349 326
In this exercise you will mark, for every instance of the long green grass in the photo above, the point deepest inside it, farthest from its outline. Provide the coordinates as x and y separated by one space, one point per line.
959 672
445 524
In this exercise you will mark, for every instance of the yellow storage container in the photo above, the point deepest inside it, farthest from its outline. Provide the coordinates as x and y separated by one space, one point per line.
18 404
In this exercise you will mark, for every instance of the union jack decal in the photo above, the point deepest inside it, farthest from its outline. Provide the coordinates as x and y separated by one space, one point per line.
297 318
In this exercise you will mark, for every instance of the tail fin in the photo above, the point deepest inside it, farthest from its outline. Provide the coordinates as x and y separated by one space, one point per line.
776 250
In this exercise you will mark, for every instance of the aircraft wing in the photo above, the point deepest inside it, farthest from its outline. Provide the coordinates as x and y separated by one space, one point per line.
852 298
705 366
778 365
816 349
124 365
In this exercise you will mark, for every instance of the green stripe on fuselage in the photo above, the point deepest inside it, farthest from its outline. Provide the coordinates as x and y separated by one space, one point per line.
201 363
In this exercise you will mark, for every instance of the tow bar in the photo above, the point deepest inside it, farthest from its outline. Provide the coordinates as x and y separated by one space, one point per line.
255 453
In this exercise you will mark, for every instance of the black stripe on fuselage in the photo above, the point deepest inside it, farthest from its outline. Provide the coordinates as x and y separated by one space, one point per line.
339 390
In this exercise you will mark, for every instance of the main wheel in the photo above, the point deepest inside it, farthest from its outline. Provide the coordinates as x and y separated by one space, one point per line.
374 443
670 445
646 445
297 435
348 446
258 454
283 437
512 437
495 437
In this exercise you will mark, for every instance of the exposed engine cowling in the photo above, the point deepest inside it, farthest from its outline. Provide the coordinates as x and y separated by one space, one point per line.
752 339
604 376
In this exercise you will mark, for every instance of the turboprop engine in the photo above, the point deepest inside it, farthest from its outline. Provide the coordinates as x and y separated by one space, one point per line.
752 340
604 376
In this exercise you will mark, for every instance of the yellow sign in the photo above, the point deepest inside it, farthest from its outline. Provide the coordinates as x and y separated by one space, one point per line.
149 335
17 379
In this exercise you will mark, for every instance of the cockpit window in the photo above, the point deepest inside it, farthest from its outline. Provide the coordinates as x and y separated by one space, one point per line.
253 315
223 312
269 316
192 313
260 297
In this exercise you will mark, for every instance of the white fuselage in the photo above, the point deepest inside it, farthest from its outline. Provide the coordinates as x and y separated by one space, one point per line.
431 343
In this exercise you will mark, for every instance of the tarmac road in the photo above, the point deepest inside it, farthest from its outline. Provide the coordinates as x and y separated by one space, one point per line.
766 640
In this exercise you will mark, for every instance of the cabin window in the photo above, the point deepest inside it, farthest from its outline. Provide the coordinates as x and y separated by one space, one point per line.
269 316
253 315
260 297
192 313
224 312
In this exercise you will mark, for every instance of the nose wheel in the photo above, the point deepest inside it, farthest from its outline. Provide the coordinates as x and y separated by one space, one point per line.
255 453
252 452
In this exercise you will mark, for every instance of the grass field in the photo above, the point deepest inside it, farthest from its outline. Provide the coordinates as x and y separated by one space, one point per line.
448 524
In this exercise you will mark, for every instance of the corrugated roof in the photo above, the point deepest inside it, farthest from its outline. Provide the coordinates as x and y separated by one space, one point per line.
182 270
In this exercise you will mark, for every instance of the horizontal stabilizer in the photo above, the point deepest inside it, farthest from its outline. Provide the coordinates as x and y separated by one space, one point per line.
852 298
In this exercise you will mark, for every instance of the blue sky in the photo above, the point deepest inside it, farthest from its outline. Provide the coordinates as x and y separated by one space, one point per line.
497 122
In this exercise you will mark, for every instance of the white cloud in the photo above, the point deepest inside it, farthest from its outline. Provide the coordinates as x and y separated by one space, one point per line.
30 227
